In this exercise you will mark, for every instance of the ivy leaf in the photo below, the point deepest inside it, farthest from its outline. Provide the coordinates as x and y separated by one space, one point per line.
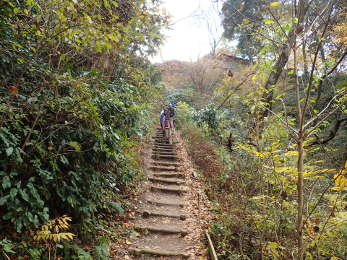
107 4
9 151
6 182
268 21
3 200
116 206
32 100
245 20
24 195
75 145
7 246
275 4
20 60
64 160
13 193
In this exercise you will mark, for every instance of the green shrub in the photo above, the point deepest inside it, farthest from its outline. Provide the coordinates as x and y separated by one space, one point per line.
75 95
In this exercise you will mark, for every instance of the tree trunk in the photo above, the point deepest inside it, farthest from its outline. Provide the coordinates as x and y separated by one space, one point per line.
282 60
300 162
230 142
300 191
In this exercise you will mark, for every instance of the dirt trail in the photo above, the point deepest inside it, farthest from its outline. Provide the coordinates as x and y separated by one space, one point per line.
172 209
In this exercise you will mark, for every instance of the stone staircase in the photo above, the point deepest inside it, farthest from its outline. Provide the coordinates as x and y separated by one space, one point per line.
162 210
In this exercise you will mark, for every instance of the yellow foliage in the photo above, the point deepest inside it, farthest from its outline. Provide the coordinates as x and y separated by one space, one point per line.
314 172
250 149
275 4
340 179
341 31
52 231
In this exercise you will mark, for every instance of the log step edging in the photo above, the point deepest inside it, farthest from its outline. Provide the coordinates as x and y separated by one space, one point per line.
164 150
162 203
167 157
152 213
155 150
157 252
164 145
168 189
168 164
165 230
155 153
162 168
169 175
166 180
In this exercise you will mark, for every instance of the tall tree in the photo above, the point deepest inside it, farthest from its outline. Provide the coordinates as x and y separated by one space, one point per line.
241 19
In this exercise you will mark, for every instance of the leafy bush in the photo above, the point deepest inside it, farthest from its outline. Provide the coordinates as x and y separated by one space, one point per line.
75 95
255 206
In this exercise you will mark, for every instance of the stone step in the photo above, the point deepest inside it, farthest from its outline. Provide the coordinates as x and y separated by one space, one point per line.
159 160
166 180
165 157
164 145
165 230
169 151
169 175
161 150
178 190
152 213
165 203
160 139
157 252
164 153
165 150
173 164
163 168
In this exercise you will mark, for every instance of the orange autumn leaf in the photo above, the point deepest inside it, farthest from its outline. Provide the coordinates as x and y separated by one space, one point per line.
13 90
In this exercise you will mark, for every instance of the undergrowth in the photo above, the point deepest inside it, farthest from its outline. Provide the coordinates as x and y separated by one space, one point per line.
76 91
254 201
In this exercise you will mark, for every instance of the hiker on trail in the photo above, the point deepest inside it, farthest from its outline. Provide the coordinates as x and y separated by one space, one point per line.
172 113
167 118
162 119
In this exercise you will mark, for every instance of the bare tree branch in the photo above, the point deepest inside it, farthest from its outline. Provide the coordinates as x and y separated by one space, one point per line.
310 82
332 133
283 58
284 122
278 23
235 88
321 121
325 109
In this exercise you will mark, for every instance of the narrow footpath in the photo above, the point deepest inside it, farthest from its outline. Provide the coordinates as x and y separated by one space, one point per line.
172 209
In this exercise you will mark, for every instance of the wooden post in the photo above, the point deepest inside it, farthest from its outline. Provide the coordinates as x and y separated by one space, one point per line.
213 254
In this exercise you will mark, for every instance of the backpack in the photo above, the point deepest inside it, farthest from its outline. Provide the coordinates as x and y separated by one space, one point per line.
167 113
172 111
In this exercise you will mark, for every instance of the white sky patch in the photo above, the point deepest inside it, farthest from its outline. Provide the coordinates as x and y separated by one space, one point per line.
189 36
